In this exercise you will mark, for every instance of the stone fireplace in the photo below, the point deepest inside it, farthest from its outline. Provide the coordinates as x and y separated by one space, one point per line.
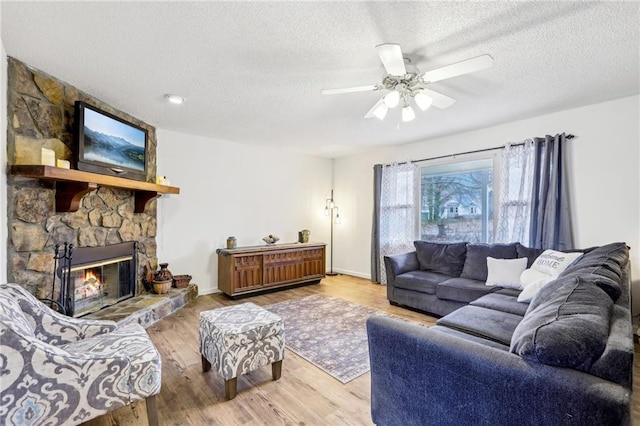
40 114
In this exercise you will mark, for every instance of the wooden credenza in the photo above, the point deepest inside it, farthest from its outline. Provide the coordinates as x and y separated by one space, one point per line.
246 270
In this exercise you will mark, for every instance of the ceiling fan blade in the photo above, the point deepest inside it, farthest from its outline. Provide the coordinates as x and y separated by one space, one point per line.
439 100
370 88
459 68
391 57
370 114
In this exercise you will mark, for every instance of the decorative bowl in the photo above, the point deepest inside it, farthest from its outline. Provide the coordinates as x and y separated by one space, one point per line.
181 281
270 239
162 287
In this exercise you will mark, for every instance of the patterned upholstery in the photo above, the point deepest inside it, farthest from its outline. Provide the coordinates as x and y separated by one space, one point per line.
59 370
241 338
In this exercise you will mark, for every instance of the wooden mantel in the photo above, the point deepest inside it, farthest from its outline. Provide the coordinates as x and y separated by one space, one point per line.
72 185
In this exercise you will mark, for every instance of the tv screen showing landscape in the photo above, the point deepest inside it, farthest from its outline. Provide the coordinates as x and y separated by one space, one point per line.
112 142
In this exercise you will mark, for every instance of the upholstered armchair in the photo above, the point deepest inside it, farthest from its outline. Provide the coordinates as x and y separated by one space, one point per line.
58 370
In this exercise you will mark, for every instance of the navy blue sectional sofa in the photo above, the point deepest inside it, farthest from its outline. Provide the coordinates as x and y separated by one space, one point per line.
565 358
440 278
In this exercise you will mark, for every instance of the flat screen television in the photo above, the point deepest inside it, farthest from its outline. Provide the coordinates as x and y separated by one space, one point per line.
108 145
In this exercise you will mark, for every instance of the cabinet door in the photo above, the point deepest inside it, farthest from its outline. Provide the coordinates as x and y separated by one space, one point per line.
247 272
282 267
314 262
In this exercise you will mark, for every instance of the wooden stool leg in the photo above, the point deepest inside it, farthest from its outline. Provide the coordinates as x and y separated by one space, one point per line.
276 370
231 388
152 411
206 365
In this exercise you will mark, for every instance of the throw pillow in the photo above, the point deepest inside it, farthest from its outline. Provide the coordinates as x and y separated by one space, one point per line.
566 325
505 272
446 259
554 262
529 276
475 265
532 288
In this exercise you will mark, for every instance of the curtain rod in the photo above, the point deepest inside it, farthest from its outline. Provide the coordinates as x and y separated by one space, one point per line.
569 136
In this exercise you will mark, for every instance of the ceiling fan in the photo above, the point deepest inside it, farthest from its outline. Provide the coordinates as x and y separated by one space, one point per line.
404 82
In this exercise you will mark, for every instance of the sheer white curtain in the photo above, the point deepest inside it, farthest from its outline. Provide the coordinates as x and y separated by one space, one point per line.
398 215
516 186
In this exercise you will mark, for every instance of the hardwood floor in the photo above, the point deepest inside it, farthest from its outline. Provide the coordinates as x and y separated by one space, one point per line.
304 394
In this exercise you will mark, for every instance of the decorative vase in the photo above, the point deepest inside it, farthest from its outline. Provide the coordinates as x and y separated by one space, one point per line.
162 280
163 274
231 242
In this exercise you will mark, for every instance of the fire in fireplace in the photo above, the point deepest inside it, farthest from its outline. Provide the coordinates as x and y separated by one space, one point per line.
98 277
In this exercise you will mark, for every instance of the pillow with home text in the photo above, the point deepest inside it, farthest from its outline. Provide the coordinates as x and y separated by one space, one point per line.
553 262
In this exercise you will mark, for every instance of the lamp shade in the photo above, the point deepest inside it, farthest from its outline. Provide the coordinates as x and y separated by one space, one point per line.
392 99
408 114
380 111
423 101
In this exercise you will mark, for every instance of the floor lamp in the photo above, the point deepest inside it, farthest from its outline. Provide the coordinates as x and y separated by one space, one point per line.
329 208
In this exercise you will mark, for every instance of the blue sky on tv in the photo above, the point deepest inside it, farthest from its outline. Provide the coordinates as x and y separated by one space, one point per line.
107 125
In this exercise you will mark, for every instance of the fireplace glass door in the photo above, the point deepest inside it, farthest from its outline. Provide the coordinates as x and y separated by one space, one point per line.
100 284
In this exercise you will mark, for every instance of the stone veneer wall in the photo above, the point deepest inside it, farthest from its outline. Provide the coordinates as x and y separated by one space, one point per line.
40 113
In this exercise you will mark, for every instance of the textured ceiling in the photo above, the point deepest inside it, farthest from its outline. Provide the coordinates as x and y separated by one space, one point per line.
251 72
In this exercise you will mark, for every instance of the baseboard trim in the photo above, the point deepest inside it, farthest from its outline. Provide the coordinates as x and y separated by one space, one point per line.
208 291
352 273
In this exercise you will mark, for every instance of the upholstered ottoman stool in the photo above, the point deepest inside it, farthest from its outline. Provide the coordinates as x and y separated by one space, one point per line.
239 339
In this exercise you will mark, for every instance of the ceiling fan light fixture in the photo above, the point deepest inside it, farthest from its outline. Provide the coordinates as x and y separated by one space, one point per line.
407 113
381 111
423 101
392 99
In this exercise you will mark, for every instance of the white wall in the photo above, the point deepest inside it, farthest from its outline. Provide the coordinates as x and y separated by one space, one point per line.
3 162
230 189
604 173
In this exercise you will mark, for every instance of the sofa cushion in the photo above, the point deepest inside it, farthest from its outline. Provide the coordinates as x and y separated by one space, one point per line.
530 253
602 266
443 258
475 264
469 337
482 322
566 325
612 256
604 278
421 281
462 289
505 272
502 303
508 291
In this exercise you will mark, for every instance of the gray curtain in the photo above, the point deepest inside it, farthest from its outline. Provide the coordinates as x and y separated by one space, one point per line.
375 228
550 216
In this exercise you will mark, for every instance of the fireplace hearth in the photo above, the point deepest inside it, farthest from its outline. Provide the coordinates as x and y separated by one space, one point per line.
93 278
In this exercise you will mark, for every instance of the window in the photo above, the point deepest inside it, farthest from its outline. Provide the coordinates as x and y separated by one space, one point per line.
456 201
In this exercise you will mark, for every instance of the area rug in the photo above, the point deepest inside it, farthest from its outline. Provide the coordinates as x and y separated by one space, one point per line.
328 332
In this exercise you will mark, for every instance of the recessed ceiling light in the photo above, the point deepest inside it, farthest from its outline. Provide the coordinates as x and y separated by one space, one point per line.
174 99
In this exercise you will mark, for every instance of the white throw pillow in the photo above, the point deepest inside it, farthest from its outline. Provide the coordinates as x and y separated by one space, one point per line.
505 272
532 288
529 276
554 262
